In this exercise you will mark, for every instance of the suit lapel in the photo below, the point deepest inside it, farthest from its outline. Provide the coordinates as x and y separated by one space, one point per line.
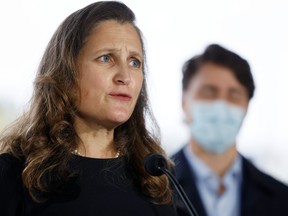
253 195
187 181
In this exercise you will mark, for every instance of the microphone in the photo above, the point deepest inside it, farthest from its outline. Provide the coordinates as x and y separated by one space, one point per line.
156 165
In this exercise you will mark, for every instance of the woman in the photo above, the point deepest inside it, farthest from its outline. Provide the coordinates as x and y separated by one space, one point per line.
79 148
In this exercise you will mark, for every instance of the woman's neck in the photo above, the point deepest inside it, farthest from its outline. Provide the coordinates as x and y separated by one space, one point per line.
96 141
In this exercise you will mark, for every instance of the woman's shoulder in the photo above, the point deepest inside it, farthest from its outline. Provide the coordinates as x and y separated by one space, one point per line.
10 184
10 172
10 166
7 158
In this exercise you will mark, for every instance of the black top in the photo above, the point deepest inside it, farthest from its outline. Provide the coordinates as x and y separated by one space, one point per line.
104 188
261 195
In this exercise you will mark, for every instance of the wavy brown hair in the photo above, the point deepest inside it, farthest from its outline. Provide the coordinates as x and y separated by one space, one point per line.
44 136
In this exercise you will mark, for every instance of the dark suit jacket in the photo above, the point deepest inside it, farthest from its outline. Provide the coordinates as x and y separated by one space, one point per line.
261 195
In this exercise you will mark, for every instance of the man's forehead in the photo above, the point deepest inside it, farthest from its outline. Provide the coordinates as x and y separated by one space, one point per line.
214 76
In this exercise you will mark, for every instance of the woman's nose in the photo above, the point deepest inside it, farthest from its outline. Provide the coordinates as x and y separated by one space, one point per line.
122 76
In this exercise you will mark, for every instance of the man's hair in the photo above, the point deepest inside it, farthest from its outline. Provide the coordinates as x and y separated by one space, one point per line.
216 54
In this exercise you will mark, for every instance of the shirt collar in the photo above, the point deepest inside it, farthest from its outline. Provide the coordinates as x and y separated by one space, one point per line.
202 172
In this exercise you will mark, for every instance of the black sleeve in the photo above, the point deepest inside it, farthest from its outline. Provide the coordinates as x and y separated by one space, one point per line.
11 189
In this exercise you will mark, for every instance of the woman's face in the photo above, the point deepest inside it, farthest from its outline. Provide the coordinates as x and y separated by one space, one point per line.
110 74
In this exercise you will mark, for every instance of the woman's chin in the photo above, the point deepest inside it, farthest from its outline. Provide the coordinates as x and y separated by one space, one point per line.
119 120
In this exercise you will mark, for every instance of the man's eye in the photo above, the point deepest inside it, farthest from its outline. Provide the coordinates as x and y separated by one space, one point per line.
135 63
236 96
104 58
207 92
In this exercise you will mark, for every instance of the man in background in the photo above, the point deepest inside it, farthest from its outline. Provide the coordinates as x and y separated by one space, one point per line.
217 88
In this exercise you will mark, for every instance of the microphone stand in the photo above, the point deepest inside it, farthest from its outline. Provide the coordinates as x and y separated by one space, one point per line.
180 191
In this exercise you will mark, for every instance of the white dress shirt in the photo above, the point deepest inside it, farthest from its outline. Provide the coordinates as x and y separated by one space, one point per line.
208 183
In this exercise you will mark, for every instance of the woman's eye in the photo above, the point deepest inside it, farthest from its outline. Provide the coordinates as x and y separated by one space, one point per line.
135 63
104 58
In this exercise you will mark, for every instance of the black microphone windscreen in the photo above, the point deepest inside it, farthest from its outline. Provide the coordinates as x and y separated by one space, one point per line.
153 164
156 165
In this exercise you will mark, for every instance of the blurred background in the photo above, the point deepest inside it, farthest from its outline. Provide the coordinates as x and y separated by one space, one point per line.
174 31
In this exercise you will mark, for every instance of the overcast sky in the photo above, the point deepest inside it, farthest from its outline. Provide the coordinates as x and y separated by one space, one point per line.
174 31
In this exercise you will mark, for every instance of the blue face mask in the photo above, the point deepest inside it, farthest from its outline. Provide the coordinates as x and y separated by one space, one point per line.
216 124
